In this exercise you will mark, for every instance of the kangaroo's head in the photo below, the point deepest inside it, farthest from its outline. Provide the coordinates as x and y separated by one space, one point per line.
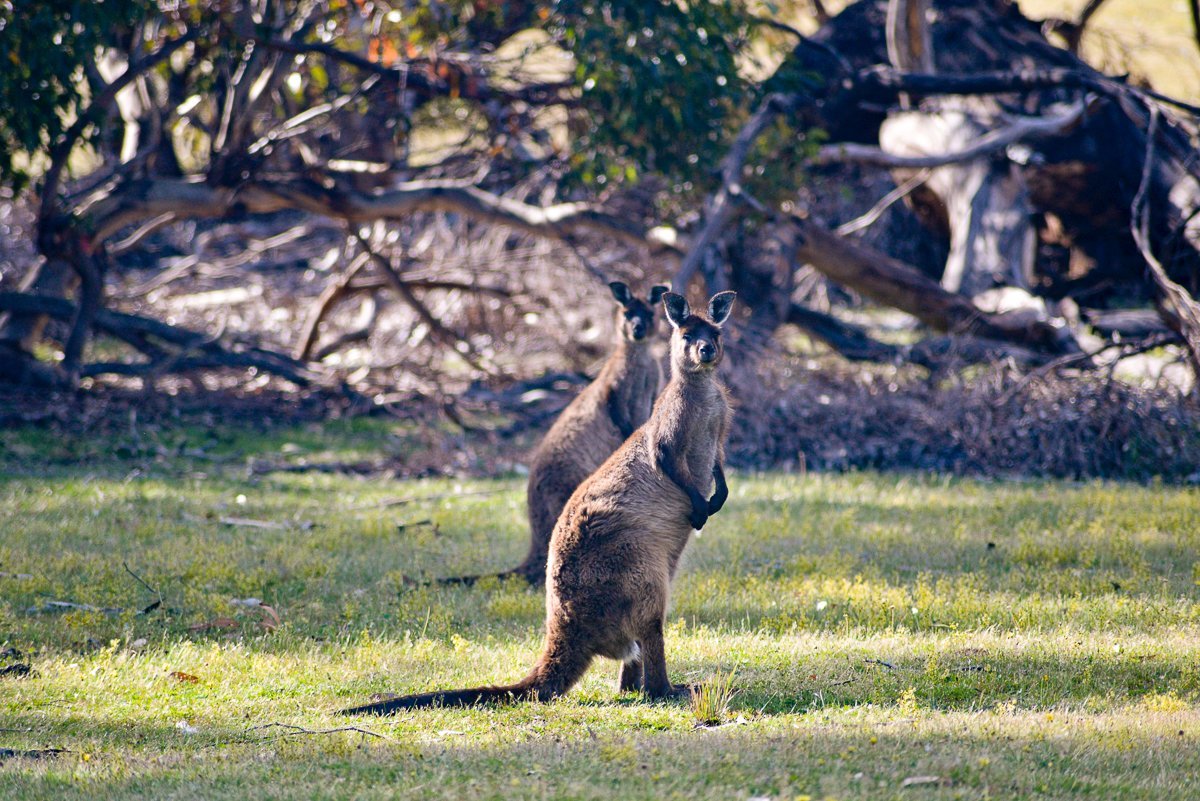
636 316
696 341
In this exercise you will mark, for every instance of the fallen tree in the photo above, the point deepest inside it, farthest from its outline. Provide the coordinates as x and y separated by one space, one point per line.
1003 187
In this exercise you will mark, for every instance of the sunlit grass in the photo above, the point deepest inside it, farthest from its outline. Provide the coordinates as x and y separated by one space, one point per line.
1010 639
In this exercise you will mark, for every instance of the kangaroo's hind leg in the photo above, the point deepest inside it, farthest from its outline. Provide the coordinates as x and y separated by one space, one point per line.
654 661
632 676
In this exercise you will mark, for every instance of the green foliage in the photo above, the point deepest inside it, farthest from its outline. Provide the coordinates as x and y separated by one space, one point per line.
660 85
43 47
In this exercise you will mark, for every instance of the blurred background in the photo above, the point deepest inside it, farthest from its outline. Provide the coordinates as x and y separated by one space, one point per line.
963 232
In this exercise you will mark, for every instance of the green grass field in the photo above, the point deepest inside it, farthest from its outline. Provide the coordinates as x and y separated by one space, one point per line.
891 636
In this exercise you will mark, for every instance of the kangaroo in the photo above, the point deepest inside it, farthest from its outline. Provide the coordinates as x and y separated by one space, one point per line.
617 544
590 428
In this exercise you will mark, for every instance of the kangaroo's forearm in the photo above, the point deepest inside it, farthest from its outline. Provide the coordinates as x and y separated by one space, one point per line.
722 489
671 470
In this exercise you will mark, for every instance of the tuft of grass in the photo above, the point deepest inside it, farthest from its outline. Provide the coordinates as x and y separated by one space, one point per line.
710 700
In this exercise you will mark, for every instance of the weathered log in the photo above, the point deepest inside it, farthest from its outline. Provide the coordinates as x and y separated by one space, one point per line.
901 286
850 341
909 44
1127 323
936 353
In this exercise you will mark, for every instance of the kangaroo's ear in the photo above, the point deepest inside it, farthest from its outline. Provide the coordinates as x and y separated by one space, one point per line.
656 293
720 306
677 308
621 292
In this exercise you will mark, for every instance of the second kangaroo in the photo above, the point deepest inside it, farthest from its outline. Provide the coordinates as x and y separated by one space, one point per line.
617 543
590 428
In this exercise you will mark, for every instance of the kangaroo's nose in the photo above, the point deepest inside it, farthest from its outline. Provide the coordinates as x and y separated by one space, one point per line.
707 352
639 330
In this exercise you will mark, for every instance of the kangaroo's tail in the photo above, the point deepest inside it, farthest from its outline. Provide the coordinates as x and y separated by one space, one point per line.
524 570
521 691
467 581
557 671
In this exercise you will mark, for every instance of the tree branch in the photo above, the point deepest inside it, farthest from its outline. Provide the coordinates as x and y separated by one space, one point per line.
140 200
134 329
439 330
894 283
62 149
991 142
719 208
1194 7
883 84
1179 309
335 291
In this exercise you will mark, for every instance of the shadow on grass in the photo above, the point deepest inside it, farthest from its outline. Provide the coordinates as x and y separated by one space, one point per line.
1017 758
944 677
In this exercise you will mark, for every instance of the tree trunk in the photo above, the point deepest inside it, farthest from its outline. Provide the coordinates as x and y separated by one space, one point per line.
985 202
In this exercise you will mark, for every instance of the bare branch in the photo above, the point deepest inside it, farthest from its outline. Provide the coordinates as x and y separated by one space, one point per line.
439 330
900 192
1179 309
719 208
335 291
134 329
1194 7
140 200
62 149
1072 32
991 142
884 84
902 286
292 731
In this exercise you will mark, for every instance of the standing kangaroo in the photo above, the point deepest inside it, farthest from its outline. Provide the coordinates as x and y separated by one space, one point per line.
617 543
590 428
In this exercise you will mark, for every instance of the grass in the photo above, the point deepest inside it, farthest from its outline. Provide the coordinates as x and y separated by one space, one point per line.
975 639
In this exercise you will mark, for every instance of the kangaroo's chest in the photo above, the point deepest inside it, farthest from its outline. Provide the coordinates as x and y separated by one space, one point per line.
701 443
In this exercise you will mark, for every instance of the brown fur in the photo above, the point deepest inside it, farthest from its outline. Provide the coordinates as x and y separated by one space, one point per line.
617 544
588 431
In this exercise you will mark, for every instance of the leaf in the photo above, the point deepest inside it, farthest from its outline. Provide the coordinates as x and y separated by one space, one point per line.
188 678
